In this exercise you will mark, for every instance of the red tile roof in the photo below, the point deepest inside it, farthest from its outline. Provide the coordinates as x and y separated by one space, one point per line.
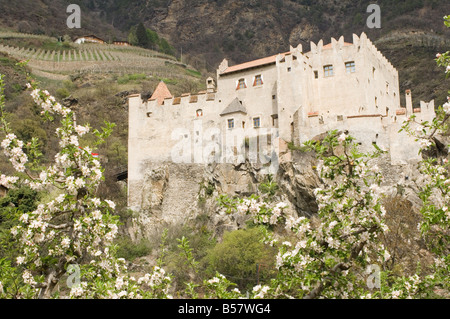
265 61
252 64
162 92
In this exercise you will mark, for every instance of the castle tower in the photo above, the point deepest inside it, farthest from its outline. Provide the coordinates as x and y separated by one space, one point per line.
162 92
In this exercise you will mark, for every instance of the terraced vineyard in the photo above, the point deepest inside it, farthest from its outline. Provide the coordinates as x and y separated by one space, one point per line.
101 58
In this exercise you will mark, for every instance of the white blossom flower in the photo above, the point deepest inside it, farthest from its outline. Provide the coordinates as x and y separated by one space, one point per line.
76 291
342 138
121 294
215 280
74 140
65 243
110 203
96 215
28 278
20 260
79 182
425 143
446 107
81 130
395 294
262 291
24 218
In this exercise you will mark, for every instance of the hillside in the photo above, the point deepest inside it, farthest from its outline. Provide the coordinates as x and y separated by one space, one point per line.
206 31
94 80
48 17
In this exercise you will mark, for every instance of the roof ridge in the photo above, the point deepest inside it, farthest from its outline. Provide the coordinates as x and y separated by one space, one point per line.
253 63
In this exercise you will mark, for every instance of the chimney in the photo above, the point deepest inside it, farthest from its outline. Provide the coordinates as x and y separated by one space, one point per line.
409 105
210 85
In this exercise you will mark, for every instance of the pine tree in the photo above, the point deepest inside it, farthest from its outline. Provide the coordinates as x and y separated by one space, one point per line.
141 34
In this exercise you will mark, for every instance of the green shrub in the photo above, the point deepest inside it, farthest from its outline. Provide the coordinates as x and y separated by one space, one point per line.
243 257
130 251
123 79
131 77
269 186
69 85
28 128
62 93
175 261
15 203
193 73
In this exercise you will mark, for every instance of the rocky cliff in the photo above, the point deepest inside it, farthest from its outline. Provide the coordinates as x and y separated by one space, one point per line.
180 193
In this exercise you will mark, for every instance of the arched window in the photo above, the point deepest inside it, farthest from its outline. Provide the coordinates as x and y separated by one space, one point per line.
199 113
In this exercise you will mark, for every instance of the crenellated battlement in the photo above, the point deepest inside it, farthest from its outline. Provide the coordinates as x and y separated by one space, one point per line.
184 100
361 42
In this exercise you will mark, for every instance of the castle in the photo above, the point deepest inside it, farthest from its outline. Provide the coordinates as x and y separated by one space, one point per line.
291 97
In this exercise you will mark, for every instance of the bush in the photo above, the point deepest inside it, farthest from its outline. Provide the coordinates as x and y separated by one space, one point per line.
130 251
239 255
131 77
269 186
62 93
28 128
21 200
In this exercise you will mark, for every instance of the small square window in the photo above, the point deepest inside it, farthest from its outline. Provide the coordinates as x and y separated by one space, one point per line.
350 67
231 124
328 70
241 84
289 69
274 97
256 122
258 80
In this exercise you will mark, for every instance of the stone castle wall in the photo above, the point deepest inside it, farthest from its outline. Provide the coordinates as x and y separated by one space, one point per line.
295 103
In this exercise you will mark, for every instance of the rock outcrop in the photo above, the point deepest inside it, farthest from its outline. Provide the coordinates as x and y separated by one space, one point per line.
178 193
